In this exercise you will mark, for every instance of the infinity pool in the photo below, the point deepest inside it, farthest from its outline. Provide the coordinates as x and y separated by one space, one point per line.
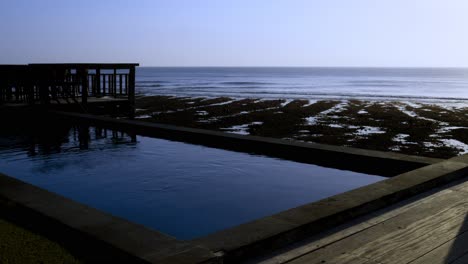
183 190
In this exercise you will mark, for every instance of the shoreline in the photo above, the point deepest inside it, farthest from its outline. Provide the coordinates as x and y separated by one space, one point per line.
415 128
450 101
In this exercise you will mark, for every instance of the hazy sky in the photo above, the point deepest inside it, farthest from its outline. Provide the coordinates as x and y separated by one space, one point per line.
237 32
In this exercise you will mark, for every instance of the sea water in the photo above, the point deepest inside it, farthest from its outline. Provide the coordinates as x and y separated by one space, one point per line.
426 84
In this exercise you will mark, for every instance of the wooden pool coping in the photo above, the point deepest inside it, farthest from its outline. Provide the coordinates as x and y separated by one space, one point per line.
229 245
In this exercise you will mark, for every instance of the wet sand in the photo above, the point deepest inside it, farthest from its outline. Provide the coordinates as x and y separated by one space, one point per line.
426 129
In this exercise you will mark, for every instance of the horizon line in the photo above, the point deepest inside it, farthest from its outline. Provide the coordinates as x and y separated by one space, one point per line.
382 67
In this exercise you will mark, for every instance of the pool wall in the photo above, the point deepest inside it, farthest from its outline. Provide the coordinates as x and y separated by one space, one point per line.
99 235
358 160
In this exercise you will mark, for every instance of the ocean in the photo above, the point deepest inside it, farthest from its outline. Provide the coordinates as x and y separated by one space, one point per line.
413 84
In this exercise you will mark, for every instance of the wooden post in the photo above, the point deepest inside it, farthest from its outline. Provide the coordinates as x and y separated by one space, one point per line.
131 91
3 85
30 86
44 80
114 92
97 90
83 75
120 84
109 87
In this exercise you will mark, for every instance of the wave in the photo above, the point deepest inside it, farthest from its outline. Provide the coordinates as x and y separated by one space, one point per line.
245 83
147 85
374 85
357 95
156 82
278 95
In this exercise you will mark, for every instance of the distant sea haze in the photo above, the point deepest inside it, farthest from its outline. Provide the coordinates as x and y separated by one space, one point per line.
415 84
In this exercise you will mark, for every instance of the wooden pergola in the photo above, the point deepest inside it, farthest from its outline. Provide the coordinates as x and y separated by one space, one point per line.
73 84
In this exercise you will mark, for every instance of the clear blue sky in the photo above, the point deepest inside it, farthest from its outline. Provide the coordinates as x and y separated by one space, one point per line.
407 33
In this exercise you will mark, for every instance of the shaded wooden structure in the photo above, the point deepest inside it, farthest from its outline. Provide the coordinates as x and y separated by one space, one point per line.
14 84
84 87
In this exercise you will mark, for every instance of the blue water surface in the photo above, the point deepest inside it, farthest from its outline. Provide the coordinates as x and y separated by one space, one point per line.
184 190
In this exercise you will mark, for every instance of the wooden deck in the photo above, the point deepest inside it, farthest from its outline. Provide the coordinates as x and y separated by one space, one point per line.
81 86
430 228
90 100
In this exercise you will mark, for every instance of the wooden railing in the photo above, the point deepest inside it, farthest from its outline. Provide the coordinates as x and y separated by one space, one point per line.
14 84
116 84
109 86
66 83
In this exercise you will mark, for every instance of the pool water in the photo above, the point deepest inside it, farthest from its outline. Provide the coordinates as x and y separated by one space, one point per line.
183 190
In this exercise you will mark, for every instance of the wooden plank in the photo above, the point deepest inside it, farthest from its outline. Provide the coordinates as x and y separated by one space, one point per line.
342 232
460 187
347 258
289 254
392 228
423 237
447 252
403 246
342 258
325 239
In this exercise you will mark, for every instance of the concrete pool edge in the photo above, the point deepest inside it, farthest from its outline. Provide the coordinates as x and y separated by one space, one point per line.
232 244
276 231
229 245
339 157
122 239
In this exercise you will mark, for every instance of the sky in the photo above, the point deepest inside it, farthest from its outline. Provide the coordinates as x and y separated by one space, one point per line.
371 33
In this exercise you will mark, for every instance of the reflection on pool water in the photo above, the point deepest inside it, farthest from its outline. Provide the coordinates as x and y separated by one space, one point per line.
183 190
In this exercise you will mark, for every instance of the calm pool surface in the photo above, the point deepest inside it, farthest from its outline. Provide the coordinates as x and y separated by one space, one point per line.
183 190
